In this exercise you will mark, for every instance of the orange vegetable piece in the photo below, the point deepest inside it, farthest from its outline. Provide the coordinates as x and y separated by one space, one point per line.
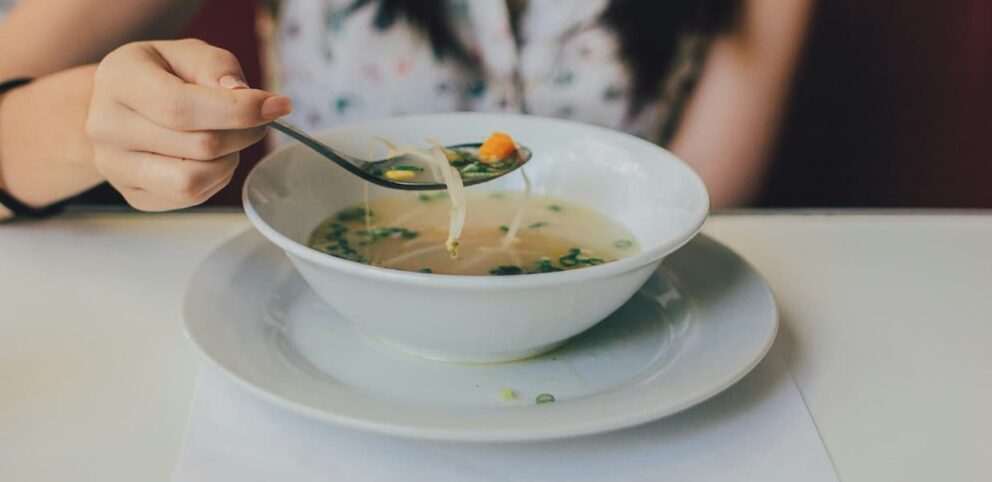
499 146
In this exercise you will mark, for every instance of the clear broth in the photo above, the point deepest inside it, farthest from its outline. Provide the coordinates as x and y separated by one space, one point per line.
408 231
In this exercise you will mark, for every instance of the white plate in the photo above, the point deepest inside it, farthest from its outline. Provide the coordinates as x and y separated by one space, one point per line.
702 322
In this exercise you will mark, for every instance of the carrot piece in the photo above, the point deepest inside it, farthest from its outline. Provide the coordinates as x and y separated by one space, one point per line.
499 146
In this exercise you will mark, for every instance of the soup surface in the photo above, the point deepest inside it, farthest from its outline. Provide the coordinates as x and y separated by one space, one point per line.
408 232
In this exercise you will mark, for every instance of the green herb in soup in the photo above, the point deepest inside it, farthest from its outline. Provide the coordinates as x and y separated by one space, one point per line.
623 244
545 398
354 214
408 232
506 270
437 196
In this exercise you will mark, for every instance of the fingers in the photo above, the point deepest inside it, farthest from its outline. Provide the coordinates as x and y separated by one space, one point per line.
152 79
197 62
130 131
153 182
145 201
167 119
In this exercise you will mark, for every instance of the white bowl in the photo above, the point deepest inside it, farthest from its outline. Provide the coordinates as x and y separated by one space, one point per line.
657 197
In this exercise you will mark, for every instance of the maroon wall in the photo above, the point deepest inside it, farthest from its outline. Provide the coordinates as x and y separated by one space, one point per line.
893 107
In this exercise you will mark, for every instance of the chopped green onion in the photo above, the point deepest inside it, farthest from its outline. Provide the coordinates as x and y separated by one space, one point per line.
476 174
623 243
339 245
504 228
432 197
570 259
506 270
497 195
407 168
554 207
336 230
545 398
576 258
425 270
544 266
381 232
539 224
459 157
475 168
353 214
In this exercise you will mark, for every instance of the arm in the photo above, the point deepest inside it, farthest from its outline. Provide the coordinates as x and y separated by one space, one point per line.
72 129
54 35
733 117
44 152
48 156
162 122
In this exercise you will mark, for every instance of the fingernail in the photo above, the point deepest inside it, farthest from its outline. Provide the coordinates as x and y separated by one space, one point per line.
276 106
232 82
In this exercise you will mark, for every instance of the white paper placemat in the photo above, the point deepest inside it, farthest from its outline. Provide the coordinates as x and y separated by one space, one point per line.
758 430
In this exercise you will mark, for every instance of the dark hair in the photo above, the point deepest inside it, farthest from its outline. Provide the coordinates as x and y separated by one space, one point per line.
648 31
428 16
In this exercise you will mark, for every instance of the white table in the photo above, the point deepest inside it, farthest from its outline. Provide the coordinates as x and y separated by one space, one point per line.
886 328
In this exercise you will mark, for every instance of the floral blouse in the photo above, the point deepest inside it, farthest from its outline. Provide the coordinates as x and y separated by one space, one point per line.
563 62
338 68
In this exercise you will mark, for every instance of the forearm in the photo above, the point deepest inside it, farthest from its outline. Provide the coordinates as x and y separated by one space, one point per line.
48 36
729 128
732 121
45 155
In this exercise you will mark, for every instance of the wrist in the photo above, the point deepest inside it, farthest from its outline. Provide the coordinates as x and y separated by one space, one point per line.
45 155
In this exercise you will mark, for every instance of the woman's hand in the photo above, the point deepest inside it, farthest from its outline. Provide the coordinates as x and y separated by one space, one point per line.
167 120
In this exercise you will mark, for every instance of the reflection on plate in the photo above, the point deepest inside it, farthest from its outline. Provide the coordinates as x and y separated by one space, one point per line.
698 325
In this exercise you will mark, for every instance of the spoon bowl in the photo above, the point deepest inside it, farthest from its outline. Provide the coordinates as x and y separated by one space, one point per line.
374 171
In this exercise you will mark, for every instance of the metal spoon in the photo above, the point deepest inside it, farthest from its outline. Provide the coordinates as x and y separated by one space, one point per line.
372 170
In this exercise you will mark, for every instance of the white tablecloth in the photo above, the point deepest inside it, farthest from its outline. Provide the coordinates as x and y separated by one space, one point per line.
886 330
759 430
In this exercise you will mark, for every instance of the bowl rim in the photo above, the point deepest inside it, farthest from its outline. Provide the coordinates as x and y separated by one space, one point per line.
605 270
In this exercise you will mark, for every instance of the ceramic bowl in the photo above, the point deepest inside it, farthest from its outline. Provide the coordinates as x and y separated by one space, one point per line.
657 197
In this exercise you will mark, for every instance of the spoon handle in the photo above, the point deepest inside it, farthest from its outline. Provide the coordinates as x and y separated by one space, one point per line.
321 148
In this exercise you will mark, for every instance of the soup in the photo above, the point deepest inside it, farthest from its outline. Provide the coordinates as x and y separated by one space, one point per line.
408 232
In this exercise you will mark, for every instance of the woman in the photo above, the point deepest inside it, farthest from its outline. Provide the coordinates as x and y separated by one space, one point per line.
163 122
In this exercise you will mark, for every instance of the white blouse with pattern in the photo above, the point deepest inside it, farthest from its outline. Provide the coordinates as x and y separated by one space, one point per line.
338 68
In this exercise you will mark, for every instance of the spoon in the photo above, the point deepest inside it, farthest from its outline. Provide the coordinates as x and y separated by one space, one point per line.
374 170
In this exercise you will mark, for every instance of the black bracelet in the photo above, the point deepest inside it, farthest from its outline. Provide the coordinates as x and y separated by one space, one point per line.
20 209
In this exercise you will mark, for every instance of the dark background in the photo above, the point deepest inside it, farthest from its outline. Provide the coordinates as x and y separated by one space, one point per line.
892 105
